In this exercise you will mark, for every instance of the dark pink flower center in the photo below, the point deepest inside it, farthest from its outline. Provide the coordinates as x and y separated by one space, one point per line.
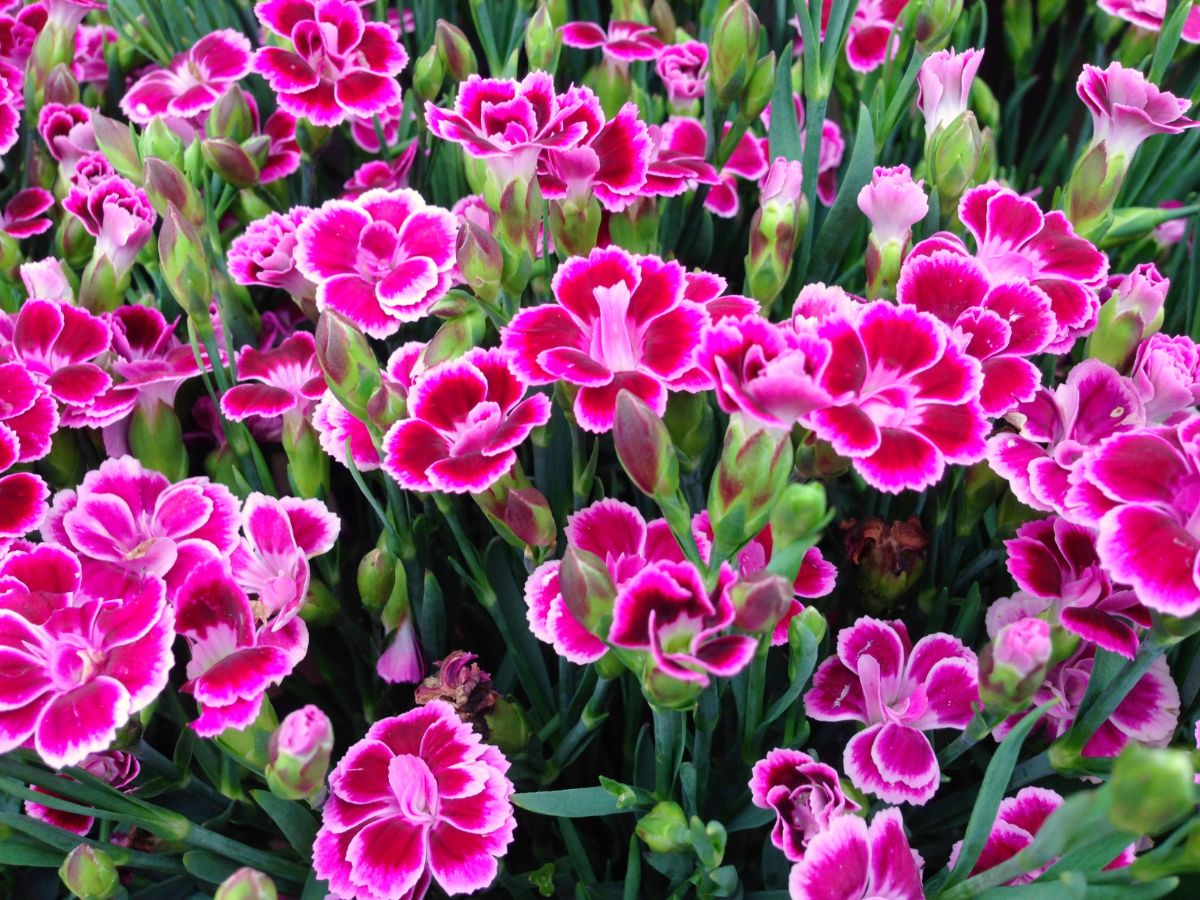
613 343
72 666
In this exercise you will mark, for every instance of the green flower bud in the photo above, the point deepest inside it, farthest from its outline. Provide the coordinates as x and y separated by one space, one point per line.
665 828
376 577
666 692
89 873
308 463
156 439
247 884
752 473
455 337
160 141
1092 190
298 754
734 48
480 261
985 104
644 447
1018 31
759 89
797 519
230 161
350 365
429 72
101 289
118 142
587 589
230 117
185 266
953 154
690 421
662 17
1153 789
508 726
935 23
455 51
61 86
165 185
542 41
636 227
575 225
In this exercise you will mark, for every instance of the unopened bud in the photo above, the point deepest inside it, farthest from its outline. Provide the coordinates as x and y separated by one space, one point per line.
782 214
230 161
1092 190
247 884
644 447
156 439
662 17
158 140
759 89
455 51
230 117
428 74
480 261
185 266
1132 313
89 873
527 515
935 23
376 577
665 828
61 86
690 422
587 589
953 154
350 365
542 41
1153 789
734 49
298 754
760 601
1013 666
166 186
753 471
455 337
117 142
508 726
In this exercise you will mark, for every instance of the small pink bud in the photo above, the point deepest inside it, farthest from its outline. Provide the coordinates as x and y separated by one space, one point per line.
298 754
246 884
944 86
1013 666
644 447
760 601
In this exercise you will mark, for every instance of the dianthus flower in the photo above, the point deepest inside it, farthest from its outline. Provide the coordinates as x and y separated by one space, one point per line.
805 795
852 860
193 81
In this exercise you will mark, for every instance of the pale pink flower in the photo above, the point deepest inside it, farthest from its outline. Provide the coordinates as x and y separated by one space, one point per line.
683 69
118 215
944 86
1127 108
893 203
264 254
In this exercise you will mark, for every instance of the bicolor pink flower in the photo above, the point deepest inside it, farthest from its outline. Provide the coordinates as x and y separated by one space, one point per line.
905 397
1149 14
115 768
1058 428
381 174
12 101
873 34
620 323
1127 108
1143 487
283 153
75 666
855 861
466 417
769 372
380 260
623 42
509 123
623 540
1055 564
22 215
683 69
401 662
45 279
944 86
234 660
419 799
677 161
666 611
285 381
28 416
612 164
118 215
1015 240
67 132
57 344
362 130
893 203
687 138
1166 374
280 536
19 32
805 795
150 359
90 65
338 65
23 497
1001 324
265 253
127 522
67 14
1148 715
193 81
899 691
90 170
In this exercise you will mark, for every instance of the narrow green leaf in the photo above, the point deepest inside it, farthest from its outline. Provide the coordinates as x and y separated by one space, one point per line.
785 131
1168 39
208 866
844 218
808 661
17 852
294 819
574 803
314 889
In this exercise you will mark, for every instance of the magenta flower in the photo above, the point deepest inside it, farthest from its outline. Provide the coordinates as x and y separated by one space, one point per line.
420 798
1057 430
76 666
893 203
466 417
666 611
1166 375
854 861
676 161
686 137
769 372
617 534
381 174
28 417
1148 715
283 153
380 260
1015 240
905 397
1000 324
12 101
193 82
234 660
873 34
67 131
623 43
19 32
56 344
944 86
1055 564
22 215
265 254
118 215
612 164
806 796
23 497
127 522
338 66
271 561
1127 108
683 69
90 65
114 767
899 691
509 123
285 381
150 359
620 323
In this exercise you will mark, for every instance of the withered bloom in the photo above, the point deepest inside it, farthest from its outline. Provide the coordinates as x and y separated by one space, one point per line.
890 558
460 682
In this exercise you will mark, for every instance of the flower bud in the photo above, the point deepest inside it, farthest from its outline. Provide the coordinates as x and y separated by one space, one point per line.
574 225
587 589
518 206
753 471
321 607
690 421
759 89
935 23
160 141
527 514
893 203
781 216
760 600
230 117
350 365
247 884
156 439
459 681
665 828
1013 666
508 726
61 86
890 558
89 873
1132 313
376 577
644 447
953 154
667 692
799 513
734 47
1152 789
480 261
298 754
662 17
311 138
944 86
542 41
116 141
165 186
429 72
636 227
455 50
308 463
230 161
455 337
185 267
